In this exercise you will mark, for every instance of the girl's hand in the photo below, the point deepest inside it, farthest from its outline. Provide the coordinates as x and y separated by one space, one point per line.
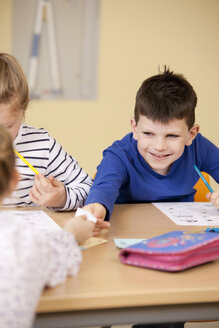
80 227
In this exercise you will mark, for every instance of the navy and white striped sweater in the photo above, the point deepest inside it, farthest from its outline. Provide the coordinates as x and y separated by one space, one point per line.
49 158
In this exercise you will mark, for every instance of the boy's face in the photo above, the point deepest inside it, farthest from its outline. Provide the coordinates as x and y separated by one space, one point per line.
162 144
11 119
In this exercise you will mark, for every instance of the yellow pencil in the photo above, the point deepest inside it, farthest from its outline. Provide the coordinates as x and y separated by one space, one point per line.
26 162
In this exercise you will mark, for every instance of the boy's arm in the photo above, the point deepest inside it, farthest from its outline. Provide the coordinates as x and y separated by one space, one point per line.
111 174
69 183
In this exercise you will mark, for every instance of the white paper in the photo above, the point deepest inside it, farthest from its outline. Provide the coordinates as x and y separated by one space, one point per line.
39 220
126 242
89 215
191 213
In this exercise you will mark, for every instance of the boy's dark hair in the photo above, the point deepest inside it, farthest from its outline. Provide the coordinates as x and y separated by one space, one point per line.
165 97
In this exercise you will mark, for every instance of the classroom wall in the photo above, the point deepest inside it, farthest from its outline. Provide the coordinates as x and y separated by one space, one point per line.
135 37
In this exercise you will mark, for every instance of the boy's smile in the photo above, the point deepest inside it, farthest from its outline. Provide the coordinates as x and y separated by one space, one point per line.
162 144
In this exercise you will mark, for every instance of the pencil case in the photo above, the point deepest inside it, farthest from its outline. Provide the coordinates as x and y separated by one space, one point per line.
173 251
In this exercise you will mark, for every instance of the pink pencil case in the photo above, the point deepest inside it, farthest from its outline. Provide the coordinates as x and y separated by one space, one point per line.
173 251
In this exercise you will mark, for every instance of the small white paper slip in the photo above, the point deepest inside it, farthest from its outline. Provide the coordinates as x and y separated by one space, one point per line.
89 215
126 242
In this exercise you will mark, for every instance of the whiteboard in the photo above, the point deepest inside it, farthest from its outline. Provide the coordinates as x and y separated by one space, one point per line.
76 30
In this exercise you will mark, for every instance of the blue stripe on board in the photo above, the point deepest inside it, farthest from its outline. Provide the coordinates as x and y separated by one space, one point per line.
35 45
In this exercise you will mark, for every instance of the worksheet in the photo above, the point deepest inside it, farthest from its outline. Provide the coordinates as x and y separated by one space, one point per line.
39 220
190 213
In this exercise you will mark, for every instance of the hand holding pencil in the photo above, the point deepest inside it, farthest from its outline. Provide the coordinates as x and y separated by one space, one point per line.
50 194
213 196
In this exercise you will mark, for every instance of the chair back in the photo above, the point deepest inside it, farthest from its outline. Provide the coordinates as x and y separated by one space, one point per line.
201 188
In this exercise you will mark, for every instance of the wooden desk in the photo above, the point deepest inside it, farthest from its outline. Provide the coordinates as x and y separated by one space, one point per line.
107 292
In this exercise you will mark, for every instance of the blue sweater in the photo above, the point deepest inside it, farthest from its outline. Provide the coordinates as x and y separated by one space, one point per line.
123 176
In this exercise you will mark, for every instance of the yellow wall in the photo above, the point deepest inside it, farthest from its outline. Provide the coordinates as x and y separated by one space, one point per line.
135 37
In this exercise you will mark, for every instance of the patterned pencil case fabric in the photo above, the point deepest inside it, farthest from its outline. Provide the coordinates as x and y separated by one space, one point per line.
173 251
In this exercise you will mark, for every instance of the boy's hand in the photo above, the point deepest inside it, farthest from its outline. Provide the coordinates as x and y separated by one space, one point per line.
80 227
48 193
99 211
214 198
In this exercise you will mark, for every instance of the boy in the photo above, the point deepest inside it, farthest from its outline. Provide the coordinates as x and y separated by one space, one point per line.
155 163
68 184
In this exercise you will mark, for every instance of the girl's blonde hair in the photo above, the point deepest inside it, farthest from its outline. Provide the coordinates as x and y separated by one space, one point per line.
13 83
7 161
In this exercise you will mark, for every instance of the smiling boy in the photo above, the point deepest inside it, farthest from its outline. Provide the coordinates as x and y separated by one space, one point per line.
155 163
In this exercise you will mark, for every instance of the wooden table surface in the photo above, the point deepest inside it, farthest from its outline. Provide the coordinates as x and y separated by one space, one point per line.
104 283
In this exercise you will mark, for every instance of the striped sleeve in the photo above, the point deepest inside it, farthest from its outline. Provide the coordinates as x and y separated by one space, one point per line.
66 169
48 157
33 145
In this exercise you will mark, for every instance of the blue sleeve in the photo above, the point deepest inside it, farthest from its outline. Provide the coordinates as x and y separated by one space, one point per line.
111 174
208 157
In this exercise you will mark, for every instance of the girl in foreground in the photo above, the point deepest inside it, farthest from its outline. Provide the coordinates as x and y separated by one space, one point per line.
29 261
